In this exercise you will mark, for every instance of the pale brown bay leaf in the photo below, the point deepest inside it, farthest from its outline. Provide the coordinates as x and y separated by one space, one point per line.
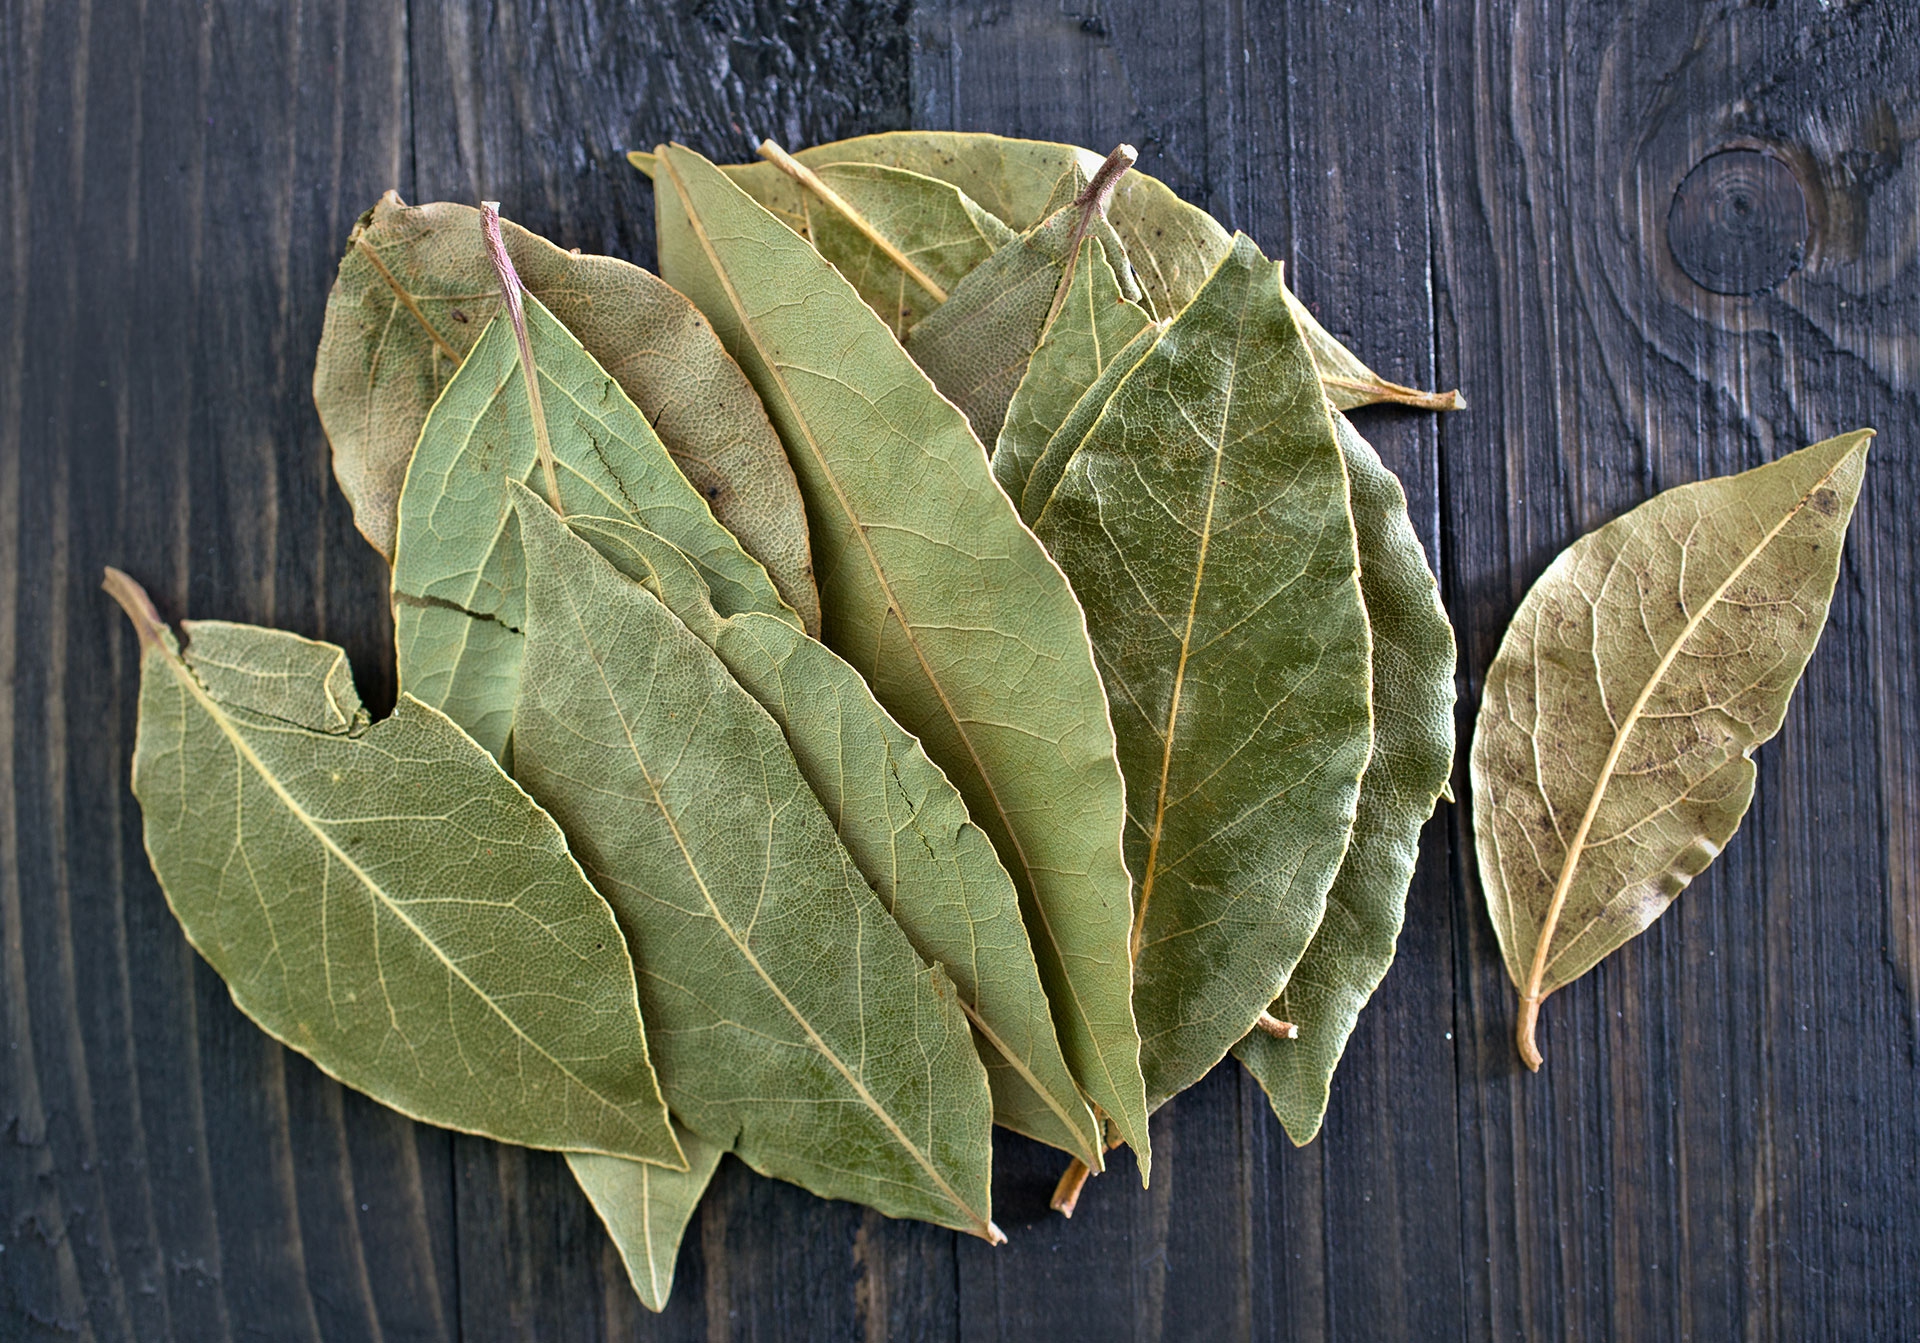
1612 755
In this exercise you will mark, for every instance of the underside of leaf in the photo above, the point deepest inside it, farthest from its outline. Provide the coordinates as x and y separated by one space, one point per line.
381 898
1612 757
905 827
1204 523
791 1021
646 1209
458 573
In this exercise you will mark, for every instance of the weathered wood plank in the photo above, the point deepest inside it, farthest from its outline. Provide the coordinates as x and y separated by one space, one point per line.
170 1172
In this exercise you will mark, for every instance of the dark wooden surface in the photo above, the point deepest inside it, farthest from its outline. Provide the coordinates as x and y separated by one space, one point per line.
1724 1141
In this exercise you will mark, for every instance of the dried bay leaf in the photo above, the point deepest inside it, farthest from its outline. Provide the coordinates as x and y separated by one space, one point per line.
790 1020
646 1209
381 898
1017 180
901 238
1094 324
1204 524
1051 464
879 217
1351 384
415 291
907 830
1344 391
905 827
1612 757
976 346
1413 694
458 573
952 612
1173 246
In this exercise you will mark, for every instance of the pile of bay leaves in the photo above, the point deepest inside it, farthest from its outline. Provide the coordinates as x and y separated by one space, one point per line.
936 656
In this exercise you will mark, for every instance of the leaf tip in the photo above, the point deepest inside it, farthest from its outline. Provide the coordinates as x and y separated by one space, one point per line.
643 160
139 607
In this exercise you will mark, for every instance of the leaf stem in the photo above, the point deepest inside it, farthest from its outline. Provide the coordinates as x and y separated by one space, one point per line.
1397 393
1092 200
139 607
809 179
516 311
1529 1017
1067 1193
1278 1029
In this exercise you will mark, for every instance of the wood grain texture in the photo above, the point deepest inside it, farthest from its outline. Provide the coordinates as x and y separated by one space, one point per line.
1725 1142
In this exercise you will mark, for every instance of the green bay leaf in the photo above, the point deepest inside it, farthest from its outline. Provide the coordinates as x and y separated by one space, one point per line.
415 291
381 898
790 1020
937 595
1612 756
458 573
1204 524
1413 693
646 1209
1094 324
1081 421
905 826
942 233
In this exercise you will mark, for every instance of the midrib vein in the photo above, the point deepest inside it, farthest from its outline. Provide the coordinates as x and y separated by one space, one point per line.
746 952
1556 905
400 292
1150 869
1026 1075
646 1229
246 752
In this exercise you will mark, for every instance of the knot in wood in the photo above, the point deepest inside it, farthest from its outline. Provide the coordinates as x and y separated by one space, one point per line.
1738 223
